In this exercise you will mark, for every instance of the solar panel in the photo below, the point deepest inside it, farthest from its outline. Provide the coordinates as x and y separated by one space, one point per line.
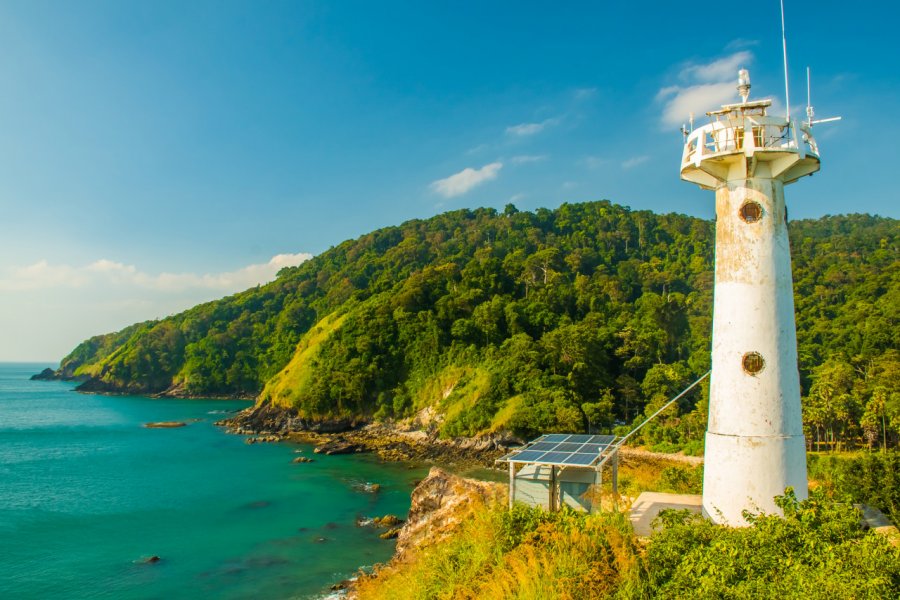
554 457
508 456
568 447
543 446
580 459
606 440
528 455
595 448
563 449
580 439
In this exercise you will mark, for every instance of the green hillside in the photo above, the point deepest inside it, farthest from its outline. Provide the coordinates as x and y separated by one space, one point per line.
477 320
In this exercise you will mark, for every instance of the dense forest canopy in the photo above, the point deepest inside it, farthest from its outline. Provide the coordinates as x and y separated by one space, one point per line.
584 317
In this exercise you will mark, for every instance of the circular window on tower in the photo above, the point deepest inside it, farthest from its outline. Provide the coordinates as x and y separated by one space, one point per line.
751 212
753 363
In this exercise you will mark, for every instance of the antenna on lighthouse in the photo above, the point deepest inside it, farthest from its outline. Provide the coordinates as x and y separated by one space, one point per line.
810 111
787 93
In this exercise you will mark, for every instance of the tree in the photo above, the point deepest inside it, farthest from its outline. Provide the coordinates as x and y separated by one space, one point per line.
599 413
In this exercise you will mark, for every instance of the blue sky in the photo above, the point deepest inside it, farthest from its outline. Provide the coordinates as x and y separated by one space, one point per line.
157 154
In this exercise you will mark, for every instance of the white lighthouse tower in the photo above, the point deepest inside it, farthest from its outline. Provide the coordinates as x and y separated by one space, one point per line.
754 442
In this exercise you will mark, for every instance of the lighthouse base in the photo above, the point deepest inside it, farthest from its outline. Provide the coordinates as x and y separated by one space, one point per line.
747 472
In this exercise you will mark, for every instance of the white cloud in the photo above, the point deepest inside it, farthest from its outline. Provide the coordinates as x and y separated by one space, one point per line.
46 309
516 197
43 275
527 158
634 161
460 183
527 129
705 86
722 69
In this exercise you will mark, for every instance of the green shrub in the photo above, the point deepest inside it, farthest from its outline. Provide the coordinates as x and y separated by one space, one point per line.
681 480
818 550
871 478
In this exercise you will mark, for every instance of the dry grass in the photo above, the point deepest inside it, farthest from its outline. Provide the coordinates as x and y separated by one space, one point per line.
524 554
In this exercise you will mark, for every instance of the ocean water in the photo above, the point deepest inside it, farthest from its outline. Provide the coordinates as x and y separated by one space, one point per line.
86 493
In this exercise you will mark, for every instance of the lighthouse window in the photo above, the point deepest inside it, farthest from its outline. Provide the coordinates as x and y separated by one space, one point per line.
753 363
751 212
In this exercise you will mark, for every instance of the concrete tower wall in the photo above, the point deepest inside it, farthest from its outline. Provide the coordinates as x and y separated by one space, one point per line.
754 444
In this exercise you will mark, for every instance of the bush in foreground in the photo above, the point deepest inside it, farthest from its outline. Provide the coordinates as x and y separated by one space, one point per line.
817 550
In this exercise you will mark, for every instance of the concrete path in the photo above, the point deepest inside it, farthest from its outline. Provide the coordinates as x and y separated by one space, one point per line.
649 504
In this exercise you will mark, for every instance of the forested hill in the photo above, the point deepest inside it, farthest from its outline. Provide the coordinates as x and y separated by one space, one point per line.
585 315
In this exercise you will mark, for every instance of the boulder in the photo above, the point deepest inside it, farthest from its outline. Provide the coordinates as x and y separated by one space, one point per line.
338 446
439 504
386 521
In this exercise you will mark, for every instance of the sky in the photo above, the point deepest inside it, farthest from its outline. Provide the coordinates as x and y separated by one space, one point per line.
154 155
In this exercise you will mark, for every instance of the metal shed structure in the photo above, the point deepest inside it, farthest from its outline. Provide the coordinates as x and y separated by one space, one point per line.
560 469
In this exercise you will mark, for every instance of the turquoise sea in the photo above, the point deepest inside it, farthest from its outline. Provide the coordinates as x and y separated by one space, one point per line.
86 492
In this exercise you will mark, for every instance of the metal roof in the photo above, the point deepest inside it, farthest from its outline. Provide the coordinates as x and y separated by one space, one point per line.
562 450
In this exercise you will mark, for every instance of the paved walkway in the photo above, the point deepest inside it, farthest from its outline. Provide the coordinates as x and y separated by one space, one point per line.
648 505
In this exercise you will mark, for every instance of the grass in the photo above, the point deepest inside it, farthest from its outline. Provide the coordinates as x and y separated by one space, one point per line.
523 553
816 551
290 383
650 474
504 415
437 387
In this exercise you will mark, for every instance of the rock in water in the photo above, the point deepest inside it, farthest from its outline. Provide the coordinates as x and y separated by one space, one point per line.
45 375
165 424
386 521
338 446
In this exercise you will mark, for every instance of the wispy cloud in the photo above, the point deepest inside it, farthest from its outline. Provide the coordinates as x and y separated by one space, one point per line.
593 162
528 158
517 197
104 272
460 183
740 43
634 161
582 94
528 129
703 86
722 69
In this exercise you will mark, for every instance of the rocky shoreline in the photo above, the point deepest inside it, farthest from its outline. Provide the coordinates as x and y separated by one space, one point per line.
440 503
95 385
389 441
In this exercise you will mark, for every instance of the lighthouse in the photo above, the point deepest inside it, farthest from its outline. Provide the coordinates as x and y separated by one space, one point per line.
754 441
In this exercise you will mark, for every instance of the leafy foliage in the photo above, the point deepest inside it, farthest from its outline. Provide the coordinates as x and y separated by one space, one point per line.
585 317
817 550
871 478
